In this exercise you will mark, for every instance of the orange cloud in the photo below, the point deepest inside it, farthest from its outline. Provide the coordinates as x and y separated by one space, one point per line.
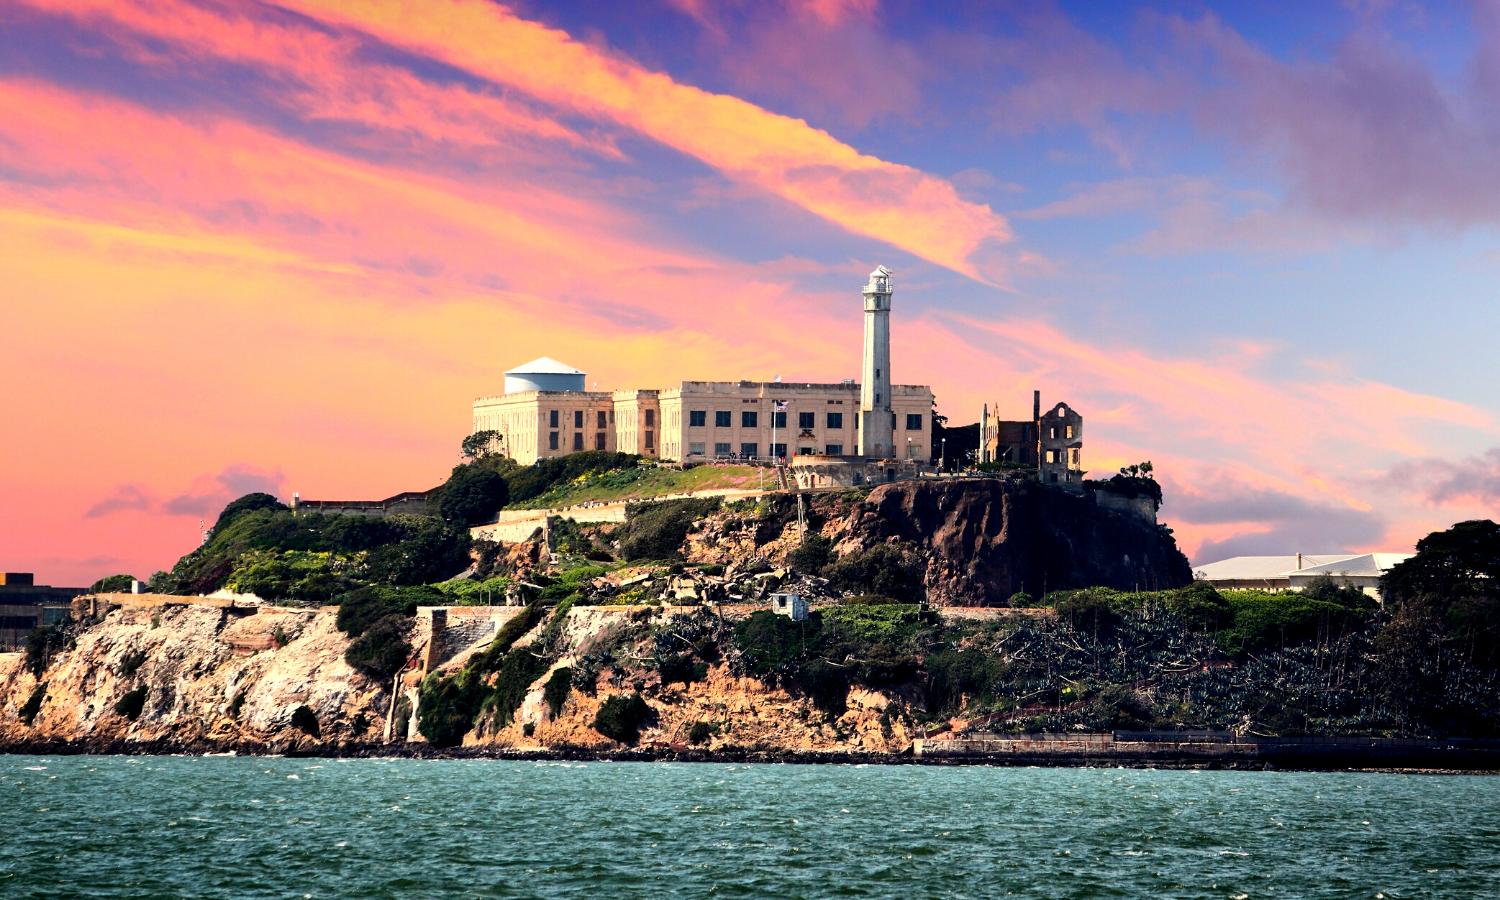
918 212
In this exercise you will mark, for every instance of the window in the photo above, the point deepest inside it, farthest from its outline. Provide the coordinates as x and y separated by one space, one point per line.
806 451
552 436
1070 432
650 440
554 419
1051 456
721 450
893 421
877 399
696 448
578 439
778 451
749 419
650 418
834 449
577 418
807 420
599 439
913 421
1073 453
722 420
779 419
835 420
697 418
877 373
748 450
913 450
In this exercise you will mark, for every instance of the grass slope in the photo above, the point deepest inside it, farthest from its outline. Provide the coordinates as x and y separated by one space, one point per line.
637 484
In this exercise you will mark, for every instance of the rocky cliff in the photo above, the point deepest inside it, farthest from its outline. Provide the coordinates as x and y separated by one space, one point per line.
211 679
985 540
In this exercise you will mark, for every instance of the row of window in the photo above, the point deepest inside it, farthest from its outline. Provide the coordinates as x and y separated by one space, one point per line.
603 418
750 450
698 418
601 440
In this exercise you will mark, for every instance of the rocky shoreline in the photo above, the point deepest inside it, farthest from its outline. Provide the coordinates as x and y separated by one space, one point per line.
1482 761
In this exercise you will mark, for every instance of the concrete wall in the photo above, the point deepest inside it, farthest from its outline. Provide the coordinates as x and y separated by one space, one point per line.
1143 508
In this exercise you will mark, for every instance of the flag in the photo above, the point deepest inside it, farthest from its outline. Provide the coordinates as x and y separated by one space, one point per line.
780 405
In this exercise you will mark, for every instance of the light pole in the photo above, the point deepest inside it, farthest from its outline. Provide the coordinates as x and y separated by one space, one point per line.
943 456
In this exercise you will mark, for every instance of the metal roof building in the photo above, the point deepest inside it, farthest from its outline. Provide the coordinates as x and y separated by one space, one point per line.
1279 573
543 374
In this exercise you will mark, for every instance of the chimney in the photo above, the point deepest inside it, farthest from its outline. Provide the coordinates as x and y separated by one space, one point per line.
1299 562
1036 406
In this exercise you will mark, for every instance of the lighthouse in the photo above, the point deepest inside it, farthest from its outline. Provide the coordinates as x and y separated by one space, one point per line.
876 421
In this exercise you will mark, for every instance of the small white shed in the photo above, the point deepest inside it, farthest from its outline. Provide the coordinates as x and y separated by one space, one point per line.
790 605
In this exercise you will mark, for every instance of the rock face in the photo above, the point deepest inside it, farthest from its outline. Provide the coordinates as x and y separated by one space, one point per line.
212 680
987 539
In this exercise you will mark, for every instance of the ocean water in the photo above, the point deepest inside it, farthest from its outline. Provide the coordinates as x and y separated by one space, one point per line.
164 827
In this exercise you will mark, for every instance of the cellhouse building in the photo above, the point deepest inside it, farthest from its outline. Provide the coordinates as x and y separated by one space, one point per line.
546 411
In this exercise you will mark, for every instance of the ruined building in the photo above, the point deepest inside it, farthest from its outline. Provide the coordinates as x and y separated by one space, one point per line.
1052 442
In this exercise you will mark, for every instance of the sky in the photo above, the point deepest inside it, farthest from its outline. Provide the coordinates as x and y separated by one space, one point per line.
281 246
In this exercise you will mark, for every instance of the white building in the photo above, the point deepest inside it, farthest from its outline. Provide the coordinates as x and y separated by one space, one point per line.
1280 573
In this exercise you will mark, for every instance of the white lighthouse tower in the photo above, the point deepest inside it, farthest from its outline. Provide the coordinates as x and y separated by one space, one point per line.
876 423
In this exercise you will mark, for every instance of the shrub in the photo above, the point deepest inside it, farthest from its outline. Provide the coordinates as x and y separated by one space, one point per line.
448 707
1200 607
131 663
700 733
246 504
657 530
360 724
1264 621
885 569
811 555
953 673
132 703
885 666
472 495
680 667
1327 589
538 478
41 645
306 721
237 704
33 704
555 691
771 644
362 608
1021 600
1088 611
112 584
381 650
826 685
520 669
621 716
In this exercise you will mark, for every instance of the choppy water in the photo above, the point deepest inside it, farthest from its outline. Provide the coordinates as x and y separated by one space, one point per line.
242 828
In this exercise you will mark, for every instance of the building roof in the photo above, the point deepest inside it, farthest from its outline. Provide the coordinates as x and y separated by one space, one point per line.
544 365
1375 564
1248 568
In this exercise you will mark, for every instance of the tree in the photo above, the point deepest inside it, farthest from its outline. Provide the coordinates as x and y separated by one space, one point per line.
481 443
112 584
472 495
247 503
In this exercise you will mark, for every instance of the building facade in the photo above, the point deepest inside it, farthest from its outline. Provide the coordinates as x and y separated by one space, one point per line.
697 421
25 606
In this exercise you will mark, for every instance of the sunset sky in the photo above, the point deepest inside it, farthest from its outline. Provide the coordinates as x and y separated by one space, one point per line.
281 246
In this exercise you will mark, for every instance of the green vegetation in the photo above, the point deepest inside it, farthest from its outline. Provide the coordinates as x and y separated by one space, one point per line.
555 691
381 650
491 685
312 558
700 733
621 716
112 584
548 477
615 483
657 530
132 702
472 495
42 644
1132 481
306 721
33 704
681 668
